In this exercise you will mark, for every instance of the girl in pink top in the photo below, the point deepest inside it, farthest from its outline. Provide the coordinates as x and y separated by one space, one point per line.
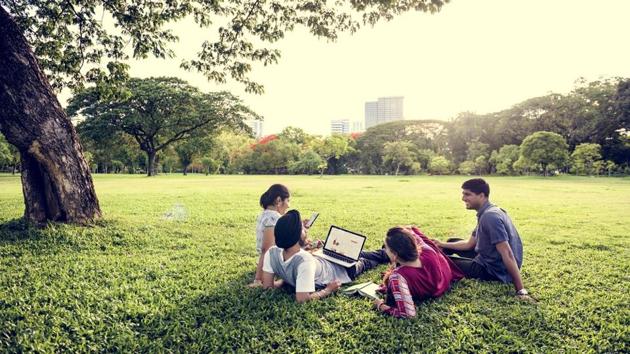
423 271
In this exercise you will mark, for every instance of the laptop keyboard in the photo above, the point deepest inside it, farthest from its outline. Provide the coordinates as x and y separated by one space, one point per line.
338 256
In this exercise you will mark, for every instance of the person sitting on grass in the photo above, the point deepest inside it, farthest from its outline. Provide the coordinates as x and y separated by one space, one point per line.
494 251
299 268
275 203
421 271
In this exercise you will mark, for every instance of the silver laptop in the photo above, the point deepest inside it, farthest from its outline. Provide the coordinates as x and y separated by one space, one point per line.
342 246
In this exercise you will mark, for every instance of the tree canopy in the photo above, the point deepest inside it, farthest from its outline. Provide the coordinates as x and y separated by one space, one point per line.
545 148
91 40
157 112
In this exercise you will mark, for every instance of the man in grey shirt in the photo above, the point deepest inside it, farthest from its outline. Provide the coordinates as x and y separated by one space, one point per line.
494 250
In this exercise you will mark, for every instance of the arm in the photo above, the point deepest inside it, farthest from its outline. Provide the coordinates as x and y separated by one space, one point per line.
268 241
405 306
303 297
267 273
305 283
509 261
459 245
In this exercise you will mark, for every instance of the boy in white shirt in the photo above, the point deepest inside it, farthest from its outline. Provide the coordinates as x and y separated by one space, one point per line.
301 269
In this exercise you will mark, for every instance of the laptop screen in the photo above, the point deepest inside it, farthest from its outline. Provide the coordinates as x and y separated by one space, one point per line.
344 242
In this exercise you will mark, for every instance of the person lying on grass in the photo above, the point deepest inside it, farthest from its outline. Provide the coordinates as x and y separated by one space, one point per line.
421 271
275 203
302 270
494 251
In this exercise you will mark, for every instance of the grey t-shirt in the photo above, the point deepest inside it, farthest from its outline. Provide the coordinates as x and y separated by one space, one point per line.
494 226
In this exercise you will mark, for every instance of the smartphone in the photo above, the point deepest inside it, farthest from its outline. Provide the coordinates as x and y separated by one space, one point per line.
312 219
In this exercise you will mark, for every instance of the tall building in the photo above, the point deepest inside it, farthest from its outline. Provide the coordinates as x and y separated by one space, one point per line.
340 126
371 114
385 109
256 126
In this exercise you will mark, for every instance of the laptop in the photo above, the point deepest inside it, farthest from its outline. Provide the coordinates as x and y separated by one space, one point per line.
342 246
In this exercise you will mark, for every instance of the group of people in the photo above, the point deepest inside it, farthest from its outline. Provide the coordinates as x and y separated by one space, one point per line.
421 267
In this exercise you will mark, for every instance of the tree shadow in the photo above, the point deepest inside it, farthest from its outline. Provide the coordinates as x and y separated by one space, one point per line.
18 229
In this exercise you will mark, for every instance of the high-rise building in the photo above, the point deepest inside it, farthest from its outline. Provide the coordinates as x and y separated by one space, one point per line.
386 109
371 114
256 126
340 126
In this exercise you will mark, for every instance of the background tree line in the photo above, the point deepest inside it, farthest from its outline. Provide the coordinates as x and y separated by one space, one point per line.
165 125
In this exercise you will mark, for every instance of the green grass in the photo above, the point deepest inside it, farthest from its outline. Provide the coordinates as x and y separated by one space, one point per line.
140 281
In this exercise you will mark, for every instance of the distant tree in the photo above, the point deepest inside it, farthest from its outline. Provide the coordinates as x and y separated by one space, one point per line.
467 127
273 157
398 153
309 163
425 135
424 156
610 166
332 148
157 112
210 165
439 165
5 153
545 149
232 150
524 166
294 135
476 149
504 159
117 166
583 158
466 168
481 165
187 151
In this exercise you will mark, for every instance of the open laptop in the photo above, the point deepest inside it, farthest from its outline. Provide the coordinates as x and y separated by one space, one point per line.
342 246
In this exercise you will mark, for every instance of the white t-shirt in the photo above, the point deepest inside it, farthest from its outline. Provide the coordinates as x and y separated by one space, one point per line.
267 218
313 270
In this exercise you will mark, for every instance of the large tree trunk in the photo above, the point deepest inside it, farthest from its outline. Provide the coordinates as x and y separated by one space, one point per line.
151 169
56 180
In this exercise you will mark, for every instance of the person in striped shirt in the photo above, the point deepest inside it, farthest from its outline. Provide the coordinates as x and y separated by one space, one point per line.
422 271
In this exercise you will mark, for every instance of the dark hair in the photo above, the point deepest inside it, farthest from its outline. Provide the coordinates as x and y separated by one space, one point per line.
401 243
269 197
477 186
288 229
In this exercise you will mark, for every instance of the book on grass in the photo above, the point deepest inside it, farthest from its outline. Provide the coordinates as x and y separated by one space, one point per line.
368 289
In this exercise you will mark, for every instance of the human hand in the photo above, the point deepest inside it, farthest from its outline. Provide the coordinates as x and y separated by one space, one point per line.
305 223
278 283
527 298
378 303
333 286
438 243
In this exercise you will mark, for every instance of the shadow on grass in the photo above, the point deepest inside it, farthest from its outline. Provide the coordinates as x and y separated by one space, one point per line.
103 235
18 230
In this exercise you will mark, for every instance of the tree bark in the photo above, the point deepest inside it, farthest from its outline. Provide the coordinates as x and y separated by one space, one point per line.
152 165
56 180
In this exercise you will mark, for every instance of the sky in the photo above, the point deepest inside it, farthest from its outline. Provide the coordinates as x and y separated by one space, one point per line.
475 55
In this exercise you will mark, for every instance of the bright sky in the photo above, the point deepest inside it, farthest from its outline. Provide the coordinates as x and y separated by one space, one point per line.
480 56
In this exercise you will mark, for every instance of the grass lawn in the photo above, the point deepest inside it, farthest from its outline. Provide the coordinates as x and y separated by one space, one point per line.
166 269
